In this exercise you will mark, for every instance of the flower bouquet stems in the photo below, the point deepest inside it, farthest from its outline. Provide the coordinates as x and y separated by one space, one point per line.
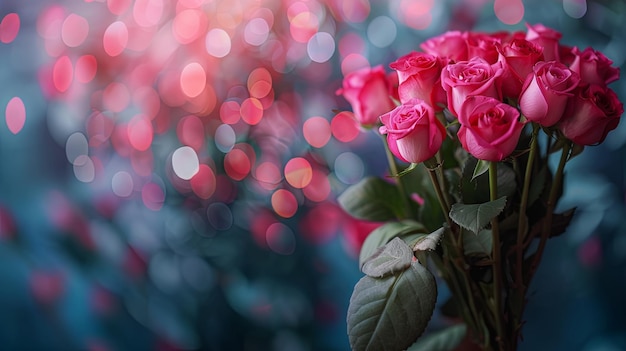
485 125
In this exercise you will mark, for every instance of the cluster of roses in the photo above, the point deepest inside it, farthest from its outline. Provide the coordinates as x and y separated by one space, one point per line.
493 84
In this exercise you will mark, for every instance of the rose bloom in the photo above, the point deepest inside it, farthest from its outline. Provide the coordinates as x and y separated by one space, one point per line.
484 46
414 134
591 115
450 45
419 76
467 78
518 57
490 129
593 67
545 37
369 91
546 92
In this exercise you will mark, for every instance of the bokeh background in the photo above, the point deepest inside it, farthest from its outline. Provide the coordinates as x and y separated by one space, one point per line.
169 170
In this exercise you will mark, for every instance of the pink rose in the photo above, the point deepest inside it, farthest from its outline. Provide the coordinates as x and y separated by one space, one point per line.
484 46
518 57
419 76
490 129
545 37
467 78
592 114
546 92
414 134
593 67
451 46
369 91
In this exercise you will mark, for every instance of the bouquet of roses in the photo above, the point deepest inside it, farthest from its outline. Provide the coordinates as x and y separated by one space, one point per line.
476 117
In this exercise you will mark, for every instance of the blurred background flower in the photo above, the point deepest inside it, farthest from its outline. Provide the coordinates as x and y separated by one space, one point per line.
169 169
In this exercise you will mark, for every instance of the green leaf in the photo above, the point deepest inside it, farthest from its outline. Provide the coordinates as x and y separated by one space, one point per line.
383 234
474 184
480 243
475 217
507 183
392 258
372 199
389 314
481 167
430 241
443 340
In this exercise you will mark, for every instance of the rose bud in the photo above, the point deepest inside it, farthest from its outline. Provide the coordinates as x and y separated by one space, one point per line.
593 67
546 92
467 78
547 38
490 129
414 134
518 57
419 76
451 46
591 115
369 91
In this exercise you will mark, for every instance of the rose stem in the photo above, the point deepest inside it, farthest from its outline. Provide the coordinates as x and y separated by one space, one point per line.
459 263
393 169
547 224
522 223
497 268
432 165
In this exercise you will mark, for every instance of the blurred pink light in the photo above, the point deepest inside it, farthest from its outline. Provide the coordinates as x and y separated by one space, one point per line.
148 100
344 127
86 68
259 82
188 25
142 162
509 11
230 112
118 7
15 115
115 38
99 128
354 11
190 131
74 30
298 172
303 26
416 14
268 175
192 79
148 13
251 111
316 131
9 27
153 196
284 203
140 133
318 189
204 182
353 62
116 97
237 164
217 43
62 74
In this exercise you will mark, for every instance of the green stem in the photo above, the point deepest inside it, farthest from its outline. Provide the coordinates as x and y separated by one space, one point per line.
522 224
448 269
442 181
552 199
445 207
393 169
497 267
